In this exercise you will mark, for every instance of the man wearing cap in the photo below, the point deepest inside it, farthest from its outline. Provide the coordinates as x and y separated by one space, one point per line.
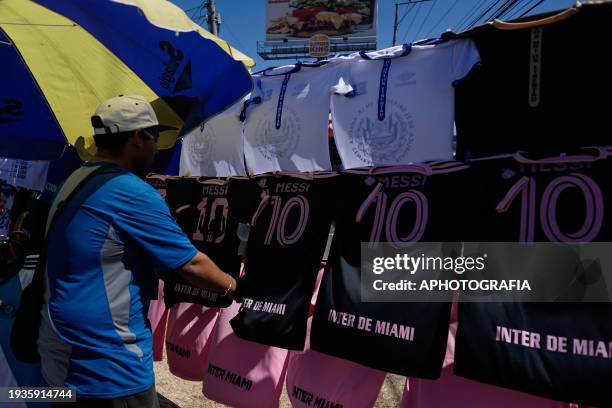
94 335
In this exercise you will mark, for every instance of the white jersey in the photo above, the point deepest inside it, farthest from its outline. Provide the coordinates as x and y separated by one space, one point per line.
287 119
396 106
214 148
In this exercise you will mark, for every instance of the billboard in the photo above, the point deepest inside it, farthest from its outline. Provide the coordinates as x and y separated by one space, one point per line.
302 19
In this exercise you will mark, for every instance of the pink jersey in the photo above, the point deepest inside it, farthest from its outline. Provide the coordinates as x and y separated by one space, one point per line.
158 316
319 380
240 373
452 391
188 339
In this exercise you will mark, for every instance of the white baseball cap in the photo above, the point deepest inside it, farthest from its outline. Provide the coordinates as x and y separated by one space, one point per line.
125 113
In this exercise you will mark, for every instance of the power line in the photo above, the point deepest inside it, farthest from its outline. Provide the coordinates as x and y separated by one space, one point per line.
500 10
433 4
198 11
410 6
483 14
396 23
226 25
441 19
470 13
536 5
412 22
523 7
192 8
510 10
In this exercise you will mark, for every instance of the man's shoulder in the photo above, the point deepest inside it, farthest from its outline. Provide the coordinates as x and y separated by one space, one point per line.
130 189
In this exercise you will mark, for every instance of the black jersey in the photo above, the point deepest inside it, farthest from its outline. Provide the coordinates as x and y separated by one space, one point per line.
286 244
158 182
559 350
540 87
424 203
210 212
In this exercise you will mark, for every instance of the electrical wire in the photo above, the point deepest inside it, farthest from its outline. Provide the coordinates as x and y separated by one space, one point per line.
441 19
226 25
523 7
536 5
418 9
410 6
511 10
470 13
433 4
483 14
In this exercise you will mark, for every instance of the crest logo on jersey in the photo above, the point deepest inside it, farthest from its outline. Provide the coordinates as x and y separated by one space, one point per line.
508 173
201 145
275 143
376 141
405 79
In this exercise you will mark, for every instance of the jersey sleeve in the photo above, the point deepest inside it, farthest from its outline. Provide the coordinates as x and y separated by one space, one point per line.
147 221
464 58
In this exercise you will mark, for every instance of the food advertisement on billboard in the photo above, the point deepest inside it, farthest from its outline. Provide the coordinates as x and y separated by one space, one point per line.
301 19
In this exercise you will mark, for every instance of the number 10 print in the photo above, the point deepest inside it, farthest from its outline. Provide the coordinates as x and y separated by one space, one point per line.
526 188
387 217
280 214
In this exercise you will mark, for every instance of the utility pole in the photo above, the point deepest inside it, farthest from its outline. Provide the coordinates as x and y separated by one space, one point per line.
213 19
397 23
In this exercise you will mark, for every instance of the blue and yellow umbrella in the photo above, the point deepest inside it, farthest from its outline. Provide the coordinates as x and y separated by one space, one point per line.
60 59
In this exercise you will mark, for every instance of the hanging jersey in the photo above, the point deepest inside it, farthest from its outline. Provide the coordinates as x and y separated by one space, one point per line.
212 212
450 390
396 106
287 240
555 350
158 317
215 148
188 339
239 372
286 119
539 87
400 206
158 182
319 380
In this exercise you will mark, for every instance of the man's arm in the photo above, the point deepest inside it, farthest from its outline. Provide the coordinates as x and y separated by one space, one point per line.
201 271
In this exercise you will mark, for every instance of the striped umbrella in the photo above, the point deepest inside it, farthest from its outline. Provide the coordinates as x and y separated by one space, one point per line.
60 59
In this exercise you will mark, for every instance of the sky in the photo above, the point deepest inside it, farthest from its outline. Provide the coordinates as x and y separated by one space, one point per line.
243 21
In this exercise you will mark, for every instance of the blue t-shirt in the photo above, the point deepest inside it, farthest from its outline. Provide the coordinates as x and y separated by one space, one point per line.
95 335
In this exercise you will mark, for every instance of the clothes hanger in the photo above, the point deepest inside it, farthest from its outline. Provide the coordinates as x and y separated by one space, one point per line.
588 154
504 25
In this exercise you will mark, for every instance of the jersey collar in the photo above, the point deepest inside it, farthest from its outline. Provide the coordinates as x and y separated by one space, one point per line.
406 48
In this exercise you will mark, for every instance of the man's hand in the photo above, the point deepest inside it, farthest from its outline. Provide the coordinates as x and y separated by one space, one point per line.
201 271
